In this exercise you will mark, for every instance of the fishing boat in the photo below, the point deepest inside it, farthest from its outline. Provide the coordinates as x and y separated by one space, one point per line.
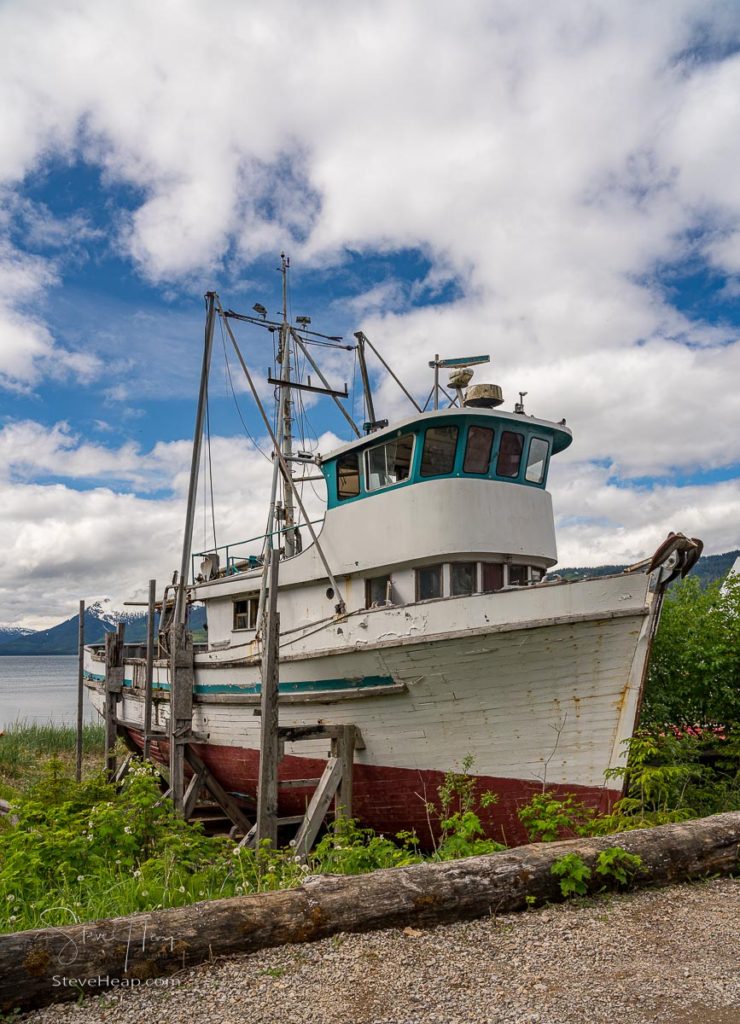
421 609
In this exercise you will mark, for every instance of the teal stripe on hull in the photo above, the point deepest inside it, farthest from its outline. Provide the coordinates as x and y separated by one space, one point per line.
309 686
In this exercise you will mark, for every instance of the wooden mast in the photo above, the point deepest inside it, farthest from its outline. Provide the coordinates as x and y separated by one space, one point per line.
181 642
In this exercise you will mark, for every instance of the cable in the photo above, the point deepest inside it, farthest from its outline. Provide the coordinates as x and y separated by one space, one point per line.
233 392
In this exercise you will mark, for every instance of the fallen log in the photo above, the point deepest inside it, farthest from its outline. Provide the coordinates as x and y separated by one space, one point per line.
50 964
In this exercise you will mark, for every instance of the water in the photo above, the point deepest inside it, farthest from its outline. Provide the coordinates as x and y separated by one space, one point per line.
41 689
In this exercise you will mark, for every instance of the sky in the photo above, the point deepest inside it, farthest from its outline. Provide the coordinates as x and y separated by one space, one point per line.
553 184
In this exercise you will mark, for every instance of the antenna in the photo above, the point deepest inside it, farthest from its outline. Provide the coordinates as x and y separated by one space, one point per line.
519 407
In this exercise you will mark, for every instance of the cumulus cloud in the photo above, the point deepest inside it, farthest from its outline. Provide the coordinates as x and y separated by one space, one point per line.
63 542
550 163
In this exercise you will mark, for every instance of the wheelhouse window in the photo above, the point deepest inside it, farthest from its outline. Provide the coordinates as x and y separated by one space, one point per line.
536 460
438 456
245 613
389 463
510 454
462 578
378 592
518 575
348 475
428 582
492 577
478 450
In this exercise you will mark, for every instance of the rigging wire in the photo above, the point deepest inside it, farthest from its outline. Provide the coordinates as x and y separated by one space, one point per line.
233 392
210 465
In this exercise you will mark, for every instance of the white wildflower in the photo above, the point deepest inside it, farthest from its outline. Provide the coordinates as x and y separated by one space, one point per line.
128 830
182 888
13 917
137 873
11 898
237 851
80 878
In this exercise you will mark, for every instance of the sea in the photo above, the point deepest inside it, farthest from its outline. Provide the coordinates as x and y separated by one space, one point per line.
41 689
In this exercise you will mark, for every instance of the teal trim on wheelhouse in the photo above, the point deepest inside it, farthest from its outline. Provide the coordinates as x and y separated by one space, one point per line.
531 460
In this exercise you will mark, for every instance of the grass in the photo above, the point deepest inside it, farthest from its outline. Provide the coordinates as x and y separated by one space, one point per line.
25 747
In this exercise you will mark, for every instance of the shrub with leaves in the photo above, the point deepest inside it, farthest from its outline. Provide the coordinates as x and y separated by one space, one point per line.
619 865
573 873
548 817
694 675
461 832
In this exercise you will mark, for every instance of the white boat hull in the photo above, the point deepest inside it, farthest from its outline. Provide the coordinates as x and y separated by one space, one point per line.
540 686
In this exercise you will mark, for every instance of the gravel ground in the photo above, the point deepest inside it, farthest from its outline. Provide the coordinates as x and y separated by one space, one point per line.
667 956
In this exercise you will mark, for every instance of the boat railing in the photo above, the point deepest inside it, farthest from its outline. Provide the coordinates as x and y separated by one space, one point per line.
235 559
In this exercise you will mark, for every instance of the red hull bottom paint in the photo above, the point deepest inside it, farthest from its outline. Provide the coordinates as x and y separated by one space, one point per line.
388 799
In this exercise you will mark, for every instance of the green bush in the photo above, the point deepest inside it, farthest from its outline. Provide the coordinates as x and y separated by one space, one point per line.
694 675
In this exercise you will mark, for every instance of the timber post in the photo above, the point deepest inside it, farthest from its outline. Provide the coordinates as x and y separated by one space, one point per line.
149 680
182 676
80 691
114 648
267 787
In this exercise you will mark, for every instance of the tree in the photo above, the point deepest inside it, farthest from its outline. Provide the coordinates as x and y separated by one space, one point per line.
694 675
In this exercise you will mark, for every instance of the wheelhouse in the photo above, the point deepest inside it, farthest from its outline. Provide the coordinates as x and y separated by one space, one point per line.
474 444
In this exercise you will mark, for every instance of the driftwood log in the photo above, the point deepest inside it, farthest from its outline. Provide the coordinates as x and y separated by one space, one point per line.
50 964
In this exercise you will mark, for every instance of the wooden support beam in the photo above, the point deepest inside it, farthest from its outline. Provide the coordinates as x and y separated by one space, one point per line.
113 687
182 678
318 806
345 749
267 787
80 690
224 799
149 678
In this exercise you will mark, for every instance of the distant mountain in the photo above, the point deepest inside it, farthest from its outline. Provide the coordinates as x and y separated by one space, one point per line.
708 568
13 632
100 618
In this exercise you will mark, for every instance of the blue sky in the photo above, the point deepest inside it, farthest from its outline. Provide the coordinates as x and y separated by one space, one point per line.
555 187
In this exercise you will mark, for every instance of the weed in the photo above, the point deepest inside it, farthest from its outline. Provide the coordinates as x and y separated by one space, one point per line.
573 873
619 865
461 832
548 817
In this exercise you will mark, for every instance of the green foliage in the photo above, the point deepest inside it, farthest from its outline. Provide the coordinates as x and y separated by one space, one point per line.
548 817
348 849
619 865
461 831
573 873
82 851
694 675
673 775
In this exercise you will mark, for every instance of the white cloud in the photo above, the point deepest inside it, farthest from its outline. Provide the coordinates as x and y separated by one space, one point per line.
550 158
64 542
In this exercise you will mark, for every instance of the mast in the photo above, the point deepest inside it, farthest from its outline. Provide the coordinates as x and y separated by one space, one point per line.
187 541
287 406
